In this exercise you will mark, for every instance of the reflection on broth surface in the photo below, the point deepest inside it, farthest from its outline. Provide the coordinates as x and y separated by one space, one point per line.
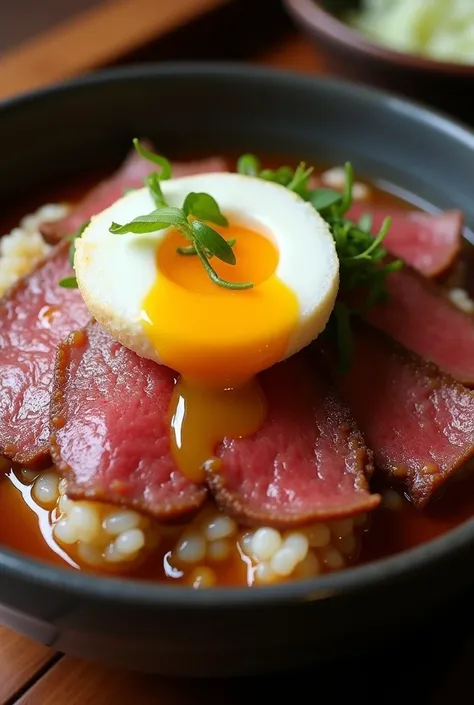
211 549
213 546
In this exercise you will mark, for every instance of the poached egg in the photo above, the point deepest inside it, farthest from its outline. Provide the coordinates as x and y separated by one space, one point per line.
162 305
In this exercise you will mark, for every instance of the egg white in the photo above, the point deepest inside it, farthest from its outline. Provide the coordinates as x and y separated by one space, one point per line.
116 272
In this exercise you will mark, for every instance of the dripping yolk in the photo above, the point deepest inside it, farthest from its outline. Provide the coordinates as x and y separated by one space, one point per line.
218 340
202 417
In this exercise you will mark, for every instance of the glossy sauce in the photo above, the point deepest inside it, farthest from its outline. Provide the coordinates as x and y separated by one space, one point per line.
26 527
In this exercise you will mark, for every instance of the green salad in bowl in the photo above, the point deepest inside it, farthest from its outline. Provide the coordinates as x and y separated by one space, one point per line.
442 30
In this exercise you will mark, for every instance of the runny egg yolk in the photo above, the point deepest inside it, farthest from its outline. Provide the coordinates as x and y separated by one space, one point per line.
218 340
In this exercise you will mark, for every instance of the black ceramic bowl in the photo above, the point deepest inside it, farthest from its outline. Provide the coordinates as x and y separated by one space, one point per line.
50 136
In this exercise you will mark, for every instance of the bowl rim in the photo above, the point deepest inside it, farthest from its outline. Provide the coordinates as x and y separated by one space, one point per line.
314 16
351 580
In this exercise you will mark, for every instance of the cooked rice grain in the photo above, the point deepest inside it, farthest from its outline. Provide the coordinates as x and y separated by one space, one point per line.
460 298
23 247
91 532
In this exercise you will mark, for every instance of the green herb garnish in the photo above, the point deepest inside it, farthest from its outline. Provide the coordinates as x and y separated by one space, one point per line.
296 180
365 222
249 165
68 283
300 181
162 162
201 205
322 198
154 187
191 250
149 223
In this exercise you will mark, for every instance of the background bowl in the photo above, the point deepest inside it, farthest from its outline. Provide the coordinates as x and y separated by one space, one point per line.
349 54
55 134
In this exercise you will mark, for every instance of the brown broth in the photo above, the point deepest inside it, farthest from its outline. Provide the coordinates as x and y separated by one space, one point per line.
395 530
26 527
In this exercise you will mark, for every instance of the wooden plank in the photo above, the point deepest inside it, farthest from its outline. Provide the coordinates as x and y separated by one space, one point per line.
24 19
20 660
76 682
96 37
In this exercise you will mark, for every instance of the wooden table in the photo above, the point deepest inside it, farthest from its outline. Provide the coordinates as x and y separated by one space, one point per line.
31 674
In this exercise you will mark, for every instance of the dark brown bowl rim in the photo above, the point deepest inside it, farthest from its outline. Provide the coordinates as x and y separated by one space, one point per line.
315 17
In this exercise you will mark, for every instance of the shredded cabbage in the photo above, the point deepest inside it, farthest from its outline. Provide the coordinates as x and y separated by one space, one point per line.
438 29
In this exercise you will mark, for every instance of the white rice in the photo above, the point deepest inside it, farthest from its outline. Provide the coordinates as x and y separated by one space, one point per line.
93 533
105 536
23 247
271 555
460 298
335 178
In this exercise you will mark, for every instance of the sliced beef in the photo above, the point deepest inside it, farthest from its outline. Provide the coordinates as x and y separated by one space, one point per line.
209 165
35 315
428 242
110 428
418 421
130 175
307 463
422 319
